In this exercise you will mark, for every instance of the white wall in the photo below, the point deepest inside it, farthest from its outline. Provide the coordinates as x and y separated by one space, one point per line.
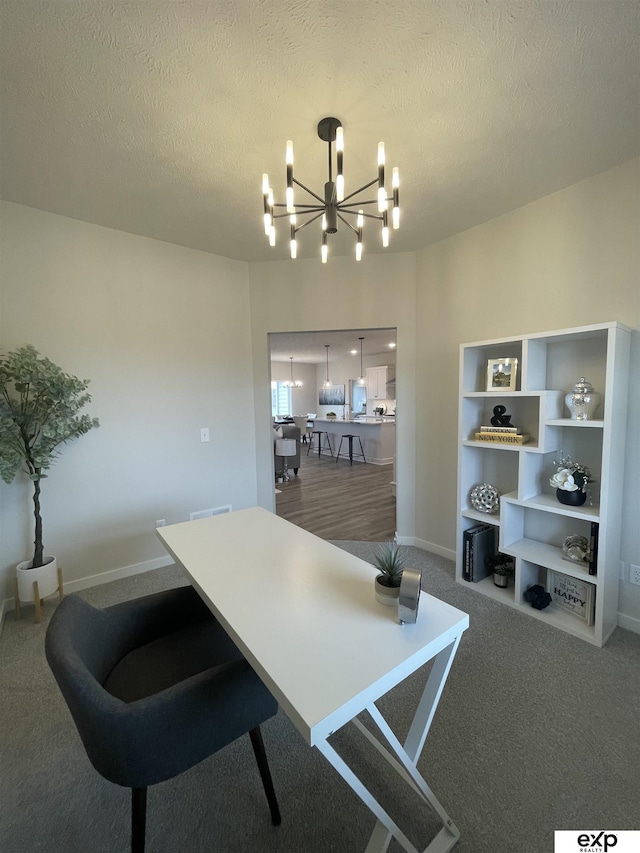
172 342
570 259
163 334
378 292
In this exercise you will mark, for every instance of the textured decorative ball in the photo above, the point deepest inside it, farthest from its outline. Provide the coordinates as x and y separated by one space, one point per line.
485 498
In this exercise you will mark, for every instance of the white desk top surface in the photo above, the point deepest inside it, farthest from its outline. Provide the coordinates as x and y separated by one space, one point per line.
304 614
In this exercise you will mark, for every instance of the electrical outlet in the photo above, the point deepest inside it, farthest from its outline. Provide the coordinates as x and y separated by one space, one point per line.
204 434
634 574
161 522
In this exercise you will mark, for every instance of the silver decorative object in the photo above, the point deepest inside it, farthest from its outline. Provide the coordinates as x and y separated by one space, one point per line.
582 400
576 548
485 498
409 597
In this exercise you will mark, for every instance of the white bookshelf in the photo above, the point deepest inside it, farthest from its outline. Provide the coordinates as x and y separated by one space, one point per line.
532 524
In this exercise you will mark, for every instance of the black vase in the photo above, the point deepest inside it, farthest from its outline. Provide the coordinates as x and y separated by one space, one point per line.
576 498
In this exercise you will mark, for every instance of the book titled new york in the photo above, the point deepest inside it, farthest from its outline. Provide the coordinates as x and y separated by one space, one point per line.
502 437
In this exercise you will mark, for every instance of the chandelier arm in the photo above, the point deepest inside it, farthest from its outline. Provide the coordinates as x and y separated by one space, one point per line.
348 224
309 221
362 189
306 189
299 212
366 215
342 206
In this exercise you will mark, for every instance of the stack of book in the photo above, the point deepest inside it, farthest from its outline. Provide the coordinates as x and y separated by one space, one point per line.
478 542
501 435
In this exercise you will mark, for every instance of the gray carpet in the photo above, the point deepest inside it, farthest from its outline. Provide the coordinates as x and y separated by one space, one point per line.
536 731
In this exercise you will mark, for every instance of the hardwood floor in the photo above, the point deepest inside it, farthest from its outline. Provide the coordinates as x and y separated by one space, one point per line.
339 501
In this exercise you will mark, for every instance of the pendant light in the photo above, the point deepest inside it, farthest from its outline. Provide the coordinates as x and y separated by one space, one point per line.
291 383
327 382
361 379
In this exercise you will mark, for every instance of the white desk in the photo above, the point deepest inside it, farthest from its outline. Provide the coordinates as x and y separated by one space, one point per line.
304 614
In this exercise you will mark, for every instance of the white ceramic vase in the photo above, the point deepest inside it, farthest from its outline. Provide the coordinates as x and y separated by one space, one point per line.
387 595
46 576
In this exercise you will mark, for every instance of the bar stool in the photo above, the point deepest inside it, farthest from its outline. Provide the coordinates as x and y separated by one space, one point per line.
351 436
319 433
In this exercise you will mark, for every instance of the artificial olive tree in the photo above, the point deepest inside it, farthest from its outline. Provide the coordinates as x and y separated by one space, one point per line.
39 406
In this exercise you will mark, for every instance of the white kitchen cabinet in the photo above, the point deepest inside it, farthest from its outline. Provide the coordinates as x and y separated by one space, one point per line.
377 380
532 524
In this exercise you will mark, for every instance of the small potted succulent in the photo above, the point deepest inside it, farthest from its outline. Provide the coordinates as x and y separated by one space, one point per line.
571 481
502 567
389 560
331 416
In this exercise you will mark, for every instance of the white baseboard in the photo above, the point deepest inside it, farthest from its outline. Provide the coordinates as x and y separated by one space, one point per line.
97 580
629 622
447 553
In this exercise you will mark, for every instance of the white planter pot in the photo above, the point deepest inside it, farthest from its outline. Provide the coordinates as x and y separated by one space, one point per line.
46 576
387 595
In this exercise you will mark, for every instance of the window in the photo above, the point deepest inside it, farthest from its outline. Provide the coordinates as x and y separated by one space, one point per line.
280 399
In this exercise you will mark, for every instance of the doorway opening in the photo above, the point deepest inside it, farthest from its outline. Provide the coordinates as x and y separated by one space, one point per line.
317 376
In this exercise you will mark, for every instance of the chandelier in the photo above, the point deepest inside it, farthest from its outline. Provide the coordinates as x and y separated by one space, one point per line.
334 205
291 383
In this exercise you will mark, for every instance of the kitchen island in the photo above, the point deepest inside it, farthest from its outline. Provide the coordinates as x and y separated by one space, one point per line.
378 437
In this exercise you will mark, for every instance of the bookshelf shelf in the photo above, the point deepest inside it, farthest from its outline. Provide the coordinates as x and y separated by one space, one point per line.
548 557
532 524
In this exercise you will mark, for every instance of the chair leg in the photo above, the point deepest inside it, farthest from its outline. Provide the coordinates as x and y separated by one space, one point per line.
138 819
265 774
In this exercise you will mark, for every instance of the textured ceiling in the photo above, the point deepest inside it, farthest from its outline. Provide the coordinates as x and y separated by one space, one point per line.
159 118
309 347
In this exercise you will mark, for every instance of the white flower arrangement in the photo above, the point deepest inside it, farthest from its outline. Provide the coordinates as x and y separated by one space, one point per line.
571 476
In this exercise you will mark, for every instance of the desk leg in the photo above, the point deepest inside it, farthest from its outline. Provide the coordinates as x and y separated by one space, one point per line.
403 760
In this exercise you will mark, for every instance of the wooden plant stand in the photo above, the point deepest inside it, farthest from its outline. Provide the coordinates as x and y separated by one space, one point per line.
38 602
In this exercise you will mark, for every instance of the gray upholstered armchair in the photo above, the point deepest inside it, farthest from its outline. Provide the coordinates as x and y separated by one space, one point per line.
155 686
293 461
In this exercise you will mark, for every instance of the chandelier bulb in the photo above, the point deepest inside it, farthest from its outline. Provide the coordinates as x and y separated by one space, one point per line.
289 199
294 249
382 199
380 153
265 184
385 236
324 253
360 219
289 154
395 217
272 235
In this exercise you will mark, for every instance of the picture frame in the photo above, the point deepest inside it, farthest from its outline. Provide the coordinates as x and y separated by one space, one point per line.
332 396
502 374
572 595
